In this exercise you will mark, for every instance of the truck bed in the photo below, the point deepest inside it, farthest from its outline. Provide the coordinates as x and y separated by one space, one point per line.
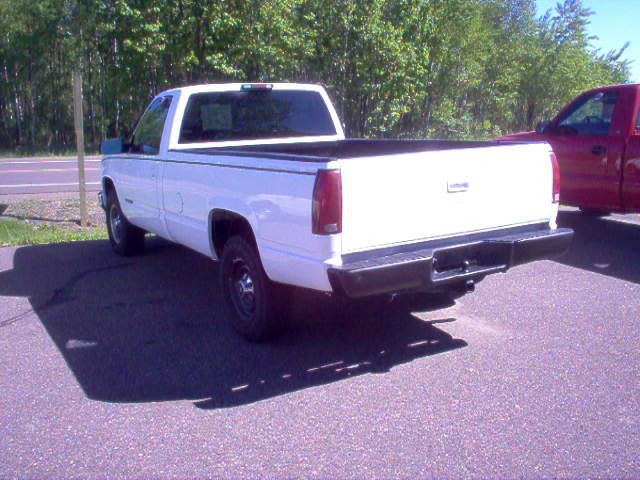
406 191
343 149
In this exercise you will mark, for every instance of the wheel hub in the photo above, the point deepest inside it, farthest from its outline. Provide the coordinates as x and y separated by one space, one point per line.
245 285
243 289
115 218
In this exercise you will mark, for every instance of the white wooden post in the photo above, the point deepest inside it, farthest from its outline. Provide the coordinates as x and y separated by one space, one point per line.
77 116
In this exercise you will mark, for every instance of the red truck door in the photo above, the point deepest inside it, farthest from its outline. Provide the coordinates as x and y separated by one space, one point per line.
631 178
589 147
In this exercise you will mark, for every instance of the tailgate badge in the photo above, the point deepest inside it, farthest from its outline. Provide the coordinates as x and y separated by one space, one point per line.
457 186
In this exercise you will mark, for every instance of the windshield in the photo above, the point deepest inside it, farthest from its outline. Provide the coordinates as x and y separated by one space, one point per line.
252 115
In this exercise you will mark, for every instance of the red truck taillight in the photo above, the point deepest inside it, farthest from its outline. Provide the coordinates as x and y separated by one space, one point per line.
555 194
326 210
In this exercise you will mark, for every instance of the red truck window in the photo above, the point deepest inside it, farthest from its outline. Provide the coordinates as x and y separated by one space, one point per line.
638 121
591 116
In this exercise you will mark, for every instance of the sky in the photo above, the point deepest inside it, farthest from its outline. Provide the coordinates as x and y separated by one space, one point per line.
614 22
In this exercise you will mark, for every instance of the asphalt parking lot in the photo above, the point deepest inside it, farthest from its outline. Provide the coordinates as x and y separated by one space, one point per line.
127 367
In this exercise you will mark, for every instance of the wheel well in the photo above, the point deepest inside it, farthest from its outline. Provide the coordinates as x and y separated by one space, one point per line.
226 224
107 185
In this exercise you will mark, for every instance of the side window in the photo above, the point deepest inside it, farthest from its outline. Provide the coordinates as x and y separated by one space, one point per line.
638 121
592 116
148 133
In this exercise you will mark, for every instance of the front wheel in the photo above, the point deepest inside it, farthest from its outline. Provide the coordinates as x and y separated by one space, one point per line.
251 299
126 239
593 212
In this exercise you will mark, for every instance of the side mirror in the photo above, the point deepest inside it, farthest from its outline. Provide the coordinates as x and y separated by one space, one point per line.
566 130
112 146
542 126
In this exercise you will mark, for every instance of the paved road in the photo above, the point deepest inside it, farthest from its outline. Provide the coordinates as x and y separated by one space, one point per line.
46 175
126 367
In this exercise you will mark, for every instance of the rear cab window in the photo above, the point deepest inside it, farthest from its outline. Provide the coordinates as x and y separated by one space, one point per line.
255 115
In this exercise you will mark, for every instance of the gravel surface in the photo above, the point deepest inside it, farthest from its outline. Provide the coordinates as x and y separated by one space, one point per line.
64 212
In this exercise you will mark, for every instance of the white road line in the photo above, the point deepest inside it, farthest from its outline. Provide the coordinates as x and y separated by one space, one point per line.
39 162
50 170
28 185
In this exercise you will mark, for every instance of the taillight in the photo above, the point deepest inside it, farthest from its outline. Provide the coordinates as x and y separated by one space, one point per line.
555 194
326 210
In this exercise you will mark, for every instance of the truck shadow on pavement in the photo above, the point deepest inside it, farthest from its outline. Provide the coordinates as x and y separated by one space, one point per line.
151 328
603 245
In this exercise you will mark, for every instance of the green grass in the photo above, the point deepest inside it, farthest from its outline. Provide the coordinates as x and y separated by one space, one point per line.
43 153
14 233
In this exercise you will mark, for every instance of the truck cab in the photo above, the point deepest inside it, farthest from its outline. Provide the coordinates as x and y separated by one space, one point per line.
596 139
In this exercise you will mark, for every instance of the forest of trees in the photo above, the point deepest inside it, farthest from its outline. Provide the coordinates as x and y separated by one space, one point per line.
394 68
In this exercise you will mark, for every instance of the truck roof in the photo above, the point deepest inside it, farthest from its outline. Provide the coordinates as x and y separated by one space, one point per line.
221 87
617 86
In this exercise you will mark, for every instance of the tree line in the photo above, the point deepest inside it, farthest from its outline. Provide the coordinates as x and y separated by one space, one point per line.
394 68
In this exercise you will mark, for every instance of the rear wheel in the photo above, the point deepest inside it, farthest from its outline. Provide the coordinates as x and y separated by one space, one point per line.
126 239
253 303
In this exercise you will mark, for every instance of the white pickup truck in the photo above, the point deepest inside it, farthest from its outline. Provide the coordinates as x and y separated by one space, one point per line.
261 178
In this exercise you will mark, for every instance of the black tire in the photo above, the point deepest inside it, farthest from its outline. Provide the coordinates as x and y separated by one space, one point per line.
126 239
253 303
593 212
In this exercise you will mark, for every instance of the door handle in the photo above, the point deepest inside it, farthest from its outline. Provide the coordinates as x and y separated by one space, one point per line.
599 150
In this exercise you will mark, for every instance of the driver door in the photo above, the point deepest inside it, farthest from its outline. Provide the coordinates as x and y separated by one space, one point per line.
138 182
588 152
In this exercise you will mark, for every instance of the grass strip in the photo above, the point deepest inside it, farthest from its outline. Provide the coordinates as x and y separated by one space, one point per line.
16 233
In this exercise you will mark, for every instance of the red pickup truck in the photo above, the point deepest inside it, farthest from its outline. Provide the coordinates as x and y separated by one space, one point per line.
596 139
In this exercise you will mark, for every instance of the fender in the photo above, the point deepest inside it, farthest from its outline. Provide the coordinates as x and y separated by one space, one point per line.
235 208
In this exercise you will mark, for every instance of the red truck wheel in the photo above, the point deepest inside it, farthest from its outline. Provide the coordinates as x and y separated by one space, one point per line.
592 212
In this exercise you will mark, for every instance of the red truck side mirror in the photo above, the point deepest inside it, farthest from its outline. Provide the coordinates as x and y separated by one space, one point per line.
542 126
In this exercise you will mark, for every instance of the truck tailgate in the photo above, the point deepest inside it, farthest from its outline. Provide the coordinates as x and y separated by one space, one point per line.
404 198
